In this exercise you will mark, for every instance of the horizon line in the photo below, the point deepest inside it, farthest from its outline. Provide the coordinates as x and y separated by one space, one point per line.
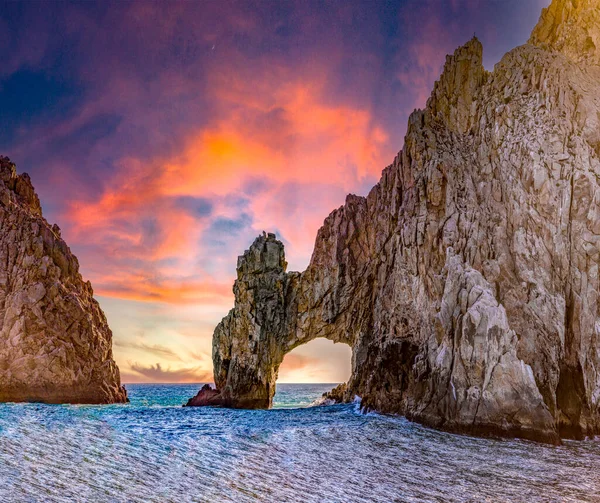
211 382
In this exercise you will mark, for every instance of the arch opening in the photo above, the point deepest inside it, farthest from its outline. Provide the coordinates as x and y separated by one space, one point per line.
310 370
318 361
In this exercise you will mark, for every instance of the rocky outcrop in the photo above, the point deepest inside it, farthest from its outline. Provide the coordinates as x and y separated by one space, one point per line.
467 281
572 28
206 396
55 344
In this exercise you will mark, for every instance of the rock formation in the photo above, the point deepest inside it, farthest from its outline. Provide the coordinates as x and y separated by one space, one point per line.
55 344
206 396
467 282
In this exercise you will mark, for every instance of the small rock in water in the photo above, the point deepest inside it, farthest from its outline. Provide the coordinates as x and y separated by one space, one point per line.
205 397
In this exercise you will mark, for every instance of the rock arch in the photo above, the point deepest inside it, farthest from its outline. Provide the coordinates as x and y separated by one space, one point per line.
467 280
334 298
271 317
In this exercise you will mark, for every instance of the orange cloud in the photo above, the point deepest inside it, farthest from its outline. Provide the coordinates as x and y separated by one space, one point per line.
295 362
288 136
144 288
291 133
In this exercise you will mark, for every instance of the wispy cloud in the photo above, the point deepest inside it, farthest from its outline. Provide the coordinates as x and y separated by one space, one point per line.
201 356
140 225
155 349
156 373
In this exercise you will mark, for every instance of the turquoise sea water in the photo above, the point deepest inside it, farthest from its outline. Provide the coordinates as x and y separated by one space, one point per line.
153 450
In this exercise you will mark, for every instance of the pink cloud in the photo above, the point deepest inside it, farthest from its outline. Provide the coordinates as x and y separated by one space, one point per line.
319 152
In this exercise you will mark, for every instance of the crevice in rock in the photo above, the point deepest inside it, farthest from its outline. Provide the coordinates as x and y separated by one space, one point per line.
570 400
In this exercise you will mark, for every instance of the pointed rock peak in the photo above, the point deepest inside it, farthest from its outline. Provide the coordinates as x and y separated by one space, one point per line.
467 57
454 92
55 343
17 189
473 46
571 27
8 169
266 254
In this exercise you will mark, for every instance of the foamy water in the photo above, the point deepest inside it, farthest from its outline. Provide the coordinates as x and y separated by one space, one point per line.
153 450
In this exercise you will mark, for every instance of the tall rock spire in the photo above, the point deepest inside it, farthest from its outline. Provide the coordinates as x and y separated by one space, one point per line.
453 93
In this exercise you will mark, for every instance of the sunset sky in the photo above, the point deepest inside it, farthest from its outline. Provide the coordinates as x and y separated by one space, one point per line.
163 137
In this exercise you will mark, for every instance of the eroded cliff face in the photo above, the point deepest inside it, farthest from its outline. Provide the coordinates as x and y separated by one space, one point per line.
55 344
467 280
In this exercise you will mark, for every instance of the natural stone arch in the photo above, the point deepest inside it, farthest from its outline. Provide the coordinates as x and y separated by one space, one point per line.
276 312
467 279
270 319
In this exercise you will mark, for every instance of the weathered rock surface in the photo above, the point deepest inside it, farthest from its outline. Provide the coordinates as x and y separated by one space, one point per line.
55 344
467 281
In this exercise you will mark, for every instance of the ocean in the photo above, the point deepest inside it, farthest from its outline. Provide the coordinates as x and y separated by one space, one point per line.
154 450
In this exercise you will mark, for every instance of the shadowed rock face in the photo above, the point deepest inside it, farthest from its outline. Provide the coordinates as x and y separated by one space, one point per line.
467 281
55 344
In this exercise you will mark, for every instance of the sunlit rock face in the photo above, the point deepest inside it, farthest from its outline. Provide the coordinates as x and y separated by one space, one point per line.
467 281
571 27
55 344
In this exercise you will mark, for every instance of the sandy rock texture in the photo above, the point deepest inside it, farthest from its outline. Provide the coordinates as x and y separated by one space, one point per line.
467 281
55 343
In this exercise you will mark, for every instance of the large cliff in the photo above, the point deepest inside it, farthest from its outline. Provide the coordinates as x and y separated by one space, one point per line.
467 281
55 344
